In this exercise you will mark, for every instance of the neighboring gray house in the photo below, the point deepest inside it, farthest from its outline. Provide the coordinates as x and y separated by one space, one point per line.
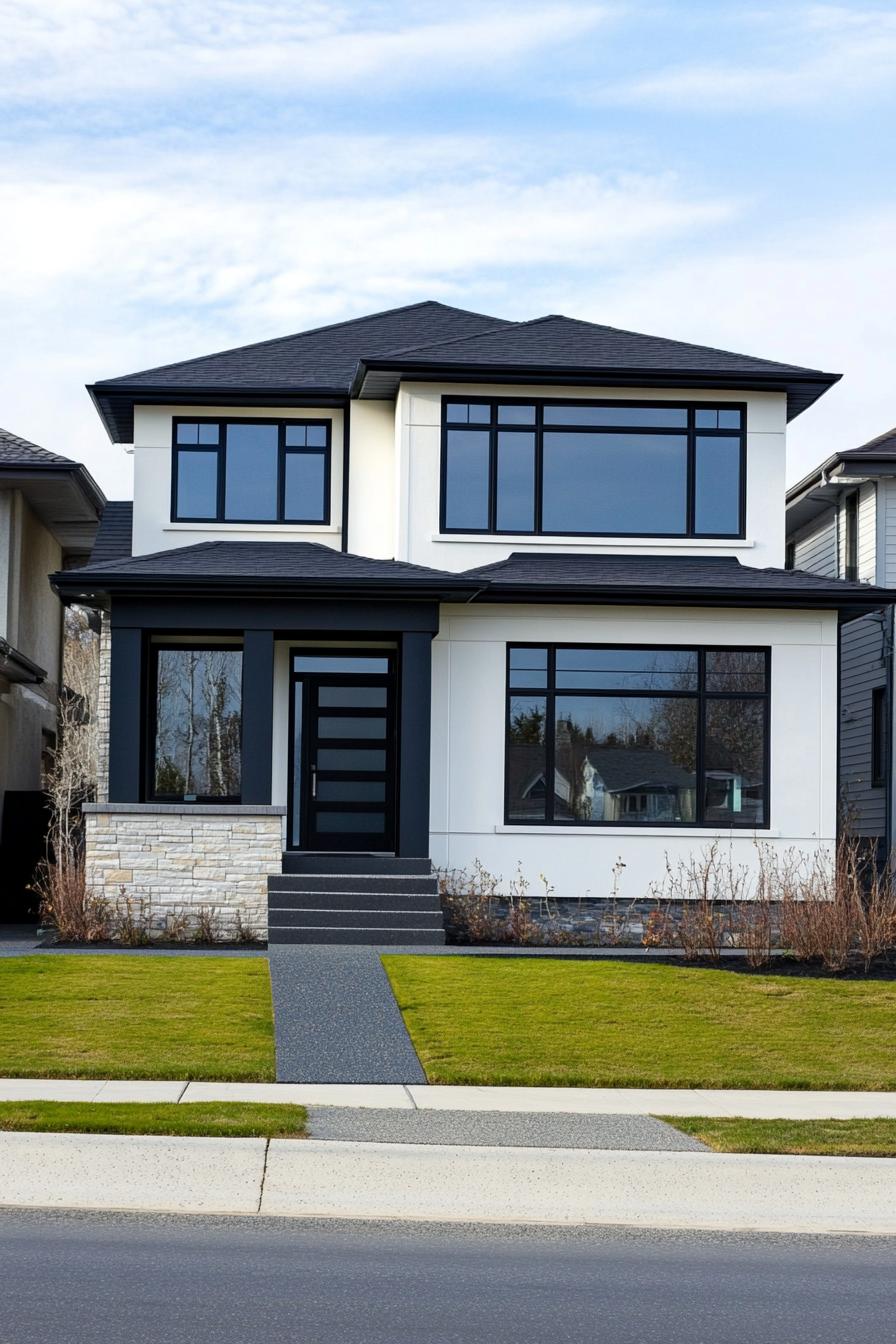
49 511
841 523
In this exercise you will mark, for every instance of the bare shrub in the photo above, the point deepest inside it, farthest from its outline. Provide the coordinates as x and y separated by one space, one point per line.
206 925
132 920
700 888
660 929
243 932
69 783
77 916
176 928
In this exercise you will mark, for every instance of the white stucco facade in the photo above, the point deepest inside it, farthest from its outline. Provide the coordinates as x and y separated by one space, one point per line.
469 688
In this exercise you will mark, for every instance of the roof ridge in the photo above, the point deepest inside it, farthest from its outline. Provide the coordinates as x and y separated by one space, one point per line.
310 331
503 324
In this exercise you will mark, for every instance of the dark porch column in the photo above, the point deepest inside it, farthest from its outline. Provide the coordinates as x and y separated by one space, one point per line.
415 695
258 715
126 700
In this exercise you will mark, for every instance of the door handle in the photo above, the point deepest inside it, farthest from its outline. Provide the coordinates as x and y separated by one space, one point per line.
314 781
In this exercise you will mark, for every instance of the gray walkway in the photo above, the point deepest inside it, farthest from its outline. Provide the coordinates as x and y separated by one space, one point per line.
488 1129
336 1020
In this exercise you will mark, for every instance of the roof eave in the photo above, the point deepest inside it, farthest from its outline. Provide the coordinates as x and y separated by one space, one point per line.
75 585
134 394
856 603
801 389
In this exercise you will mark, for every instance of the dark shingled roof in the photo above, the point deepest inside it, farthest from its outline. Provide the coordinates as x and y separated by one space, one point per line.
301 565
663 578
323 360
18 452
113 539
367 356
310 569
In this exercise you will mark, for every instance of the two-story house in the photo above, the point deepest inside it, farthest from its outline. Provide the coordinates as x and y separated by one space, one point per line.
430 587
49 508
841 522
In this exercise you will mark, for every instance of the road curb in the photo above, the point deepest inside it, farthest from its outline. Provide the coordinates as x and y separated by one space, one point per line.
328 1179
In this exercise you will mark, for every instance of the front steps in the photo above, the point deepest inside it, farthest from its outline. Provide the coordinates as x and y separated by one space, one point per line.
355 899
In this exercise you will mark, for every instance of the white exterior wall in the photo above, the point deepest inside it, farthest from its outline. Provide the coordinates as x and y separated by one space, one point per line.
153 528
418 432
467 811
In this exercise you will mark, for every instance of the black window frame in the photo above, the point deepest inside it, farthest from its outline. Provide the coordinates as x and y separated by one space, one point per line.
851 536
283 449
692 432
879 737
549 691
149 752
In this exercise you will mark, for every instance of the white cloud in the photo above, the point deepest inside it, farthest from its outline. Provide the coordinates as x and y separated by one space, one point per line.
820 295
818 56
94 50
108 270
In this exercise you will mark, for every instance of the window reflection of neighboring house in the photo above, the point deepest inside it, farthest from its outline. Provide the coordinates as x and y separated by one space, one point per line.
612 783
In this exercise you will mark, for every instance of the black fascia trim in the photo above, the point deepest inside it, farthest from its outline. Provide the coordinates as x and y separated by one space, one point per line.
691 432
579 375
283 450
663 597
71 584
700 695
133 394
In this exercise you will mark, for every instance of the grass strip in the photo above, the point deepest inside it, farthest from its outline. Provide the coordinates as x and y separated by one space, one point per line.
822 1138
108 1016
209 1119
532 1022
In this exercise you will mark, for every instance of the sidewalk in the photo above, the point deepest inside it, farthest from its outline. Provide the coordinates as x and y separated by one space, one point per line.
759 1105
307 1178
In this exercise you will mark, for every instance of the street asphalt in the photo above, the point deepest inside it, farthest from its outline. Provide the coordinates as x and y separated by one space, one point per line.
143 1279
493 1129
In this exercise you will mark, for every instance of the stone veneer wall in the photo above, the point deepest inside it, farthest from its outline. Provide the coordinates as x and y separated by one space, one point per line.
179 858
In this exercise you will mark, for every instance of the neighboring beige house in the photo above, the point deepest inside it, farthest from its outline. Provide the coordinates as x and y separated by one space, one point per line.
49 512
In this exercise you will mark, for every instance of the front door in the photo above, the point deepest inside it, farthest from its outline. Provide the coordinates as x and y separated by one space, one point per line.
343 766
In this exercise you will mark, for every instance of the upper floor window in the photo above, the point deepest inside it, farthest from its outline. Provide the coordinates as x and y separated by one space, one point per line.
593 468
251 471
851 536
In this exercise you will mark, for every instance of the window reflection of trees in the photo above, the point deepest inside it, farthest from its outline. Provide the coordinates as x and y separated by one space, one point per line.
198 723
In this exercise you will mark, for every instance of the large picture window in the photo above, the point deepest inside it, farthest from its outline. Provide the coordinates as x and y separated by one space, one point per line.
251 471
593 468
196 724
602 735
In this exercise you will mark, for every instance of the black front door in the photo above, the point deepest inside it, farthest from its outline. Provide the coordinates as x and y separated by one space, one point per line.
343 770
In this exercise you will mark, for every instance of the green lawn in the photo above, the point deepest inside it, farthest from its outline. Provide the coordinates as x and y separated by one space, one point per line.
218 1119
825 1138
108 1016
526 1021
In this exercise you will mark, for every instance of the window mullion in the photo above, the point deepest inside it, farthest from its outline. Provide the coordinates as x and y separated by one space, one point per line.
281 473
700 786
539 466
691 515
222 471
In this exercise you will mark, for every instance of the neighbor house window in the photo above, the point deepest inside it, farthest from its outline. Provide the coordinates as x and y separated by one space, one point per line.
598 735
879 737
248 471
196 723
592 468
851 536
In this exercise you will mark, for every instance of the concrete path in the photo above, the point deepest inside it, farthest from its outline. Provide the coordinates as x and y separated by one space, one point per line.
336 1019
507 1100
490 1129
452 1183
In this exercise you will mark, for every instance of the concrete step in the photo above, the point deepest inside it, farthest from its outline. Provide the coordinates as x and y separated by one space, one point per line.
349 900
412 883
354 919
295 861
369 937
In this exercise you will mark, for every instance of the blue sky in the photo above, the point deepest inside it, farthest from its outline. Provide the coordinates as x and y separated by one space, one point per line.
182 177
